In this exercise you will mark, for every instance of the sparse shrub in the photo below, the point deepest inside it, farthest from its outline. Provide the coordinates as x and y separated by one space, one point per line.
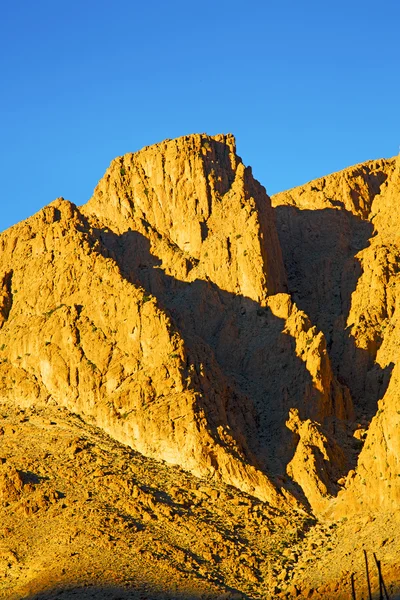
124 415
51 311
92 365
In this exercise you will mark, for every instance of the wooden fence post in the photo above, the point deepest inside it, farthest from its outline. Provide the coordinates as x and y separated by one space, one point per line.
353 589
367 571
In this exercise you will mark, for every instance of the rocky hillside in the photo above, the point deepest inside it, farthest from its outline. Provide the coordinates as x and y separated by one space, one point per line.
340 240
250 341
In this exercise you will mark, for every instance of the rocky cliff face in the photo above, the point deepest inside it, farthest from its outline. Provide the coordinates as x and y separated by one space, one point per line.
251 341
82 336
341 246
159 310
201 211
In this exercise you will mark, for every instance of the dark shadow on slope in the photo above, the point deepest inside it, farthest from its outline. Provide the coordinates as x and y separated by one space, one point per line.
29 477
319 249
126 592
234 336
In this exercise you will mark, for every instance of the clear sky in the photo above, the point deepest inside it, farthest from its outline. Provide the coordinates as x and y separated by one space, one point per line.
308 87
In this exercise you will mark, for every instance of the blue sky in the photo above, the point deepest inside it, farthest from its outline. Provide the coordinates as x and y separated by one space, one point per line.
307 87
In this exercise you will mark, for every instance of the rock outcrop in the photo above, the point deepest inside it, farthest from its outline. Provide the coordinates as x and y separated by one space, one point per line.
342 254
201 211
5 297
82 336
159 310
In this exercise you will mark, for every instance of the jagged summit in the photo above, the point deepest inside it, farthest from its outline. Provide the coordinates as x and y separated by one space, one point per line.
352 189
196 140
195 195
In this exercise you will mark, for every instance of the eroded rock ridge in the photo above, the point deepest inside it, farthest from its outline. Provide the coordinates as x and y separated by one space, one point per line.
189 318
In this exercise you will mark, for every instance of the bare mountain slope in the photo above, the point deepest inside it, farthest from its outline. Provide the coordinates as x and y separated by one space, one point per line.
159 311
342 254
251 343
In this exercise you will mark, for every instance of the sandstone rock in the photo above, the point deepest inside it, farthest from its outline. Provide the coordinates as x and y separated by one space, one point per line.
168 312
177 196
353 190
159 312
375 485
112 354
11 484
316 462
5 297
345 277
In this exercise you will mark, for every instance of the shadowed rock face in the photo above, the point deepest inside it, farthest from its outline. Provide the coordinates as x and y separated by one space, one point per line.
340 241
201 209
5 297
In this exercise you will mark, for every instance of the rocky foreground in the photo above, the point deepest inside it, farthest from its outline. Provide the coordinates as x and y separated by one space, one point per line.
199 384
